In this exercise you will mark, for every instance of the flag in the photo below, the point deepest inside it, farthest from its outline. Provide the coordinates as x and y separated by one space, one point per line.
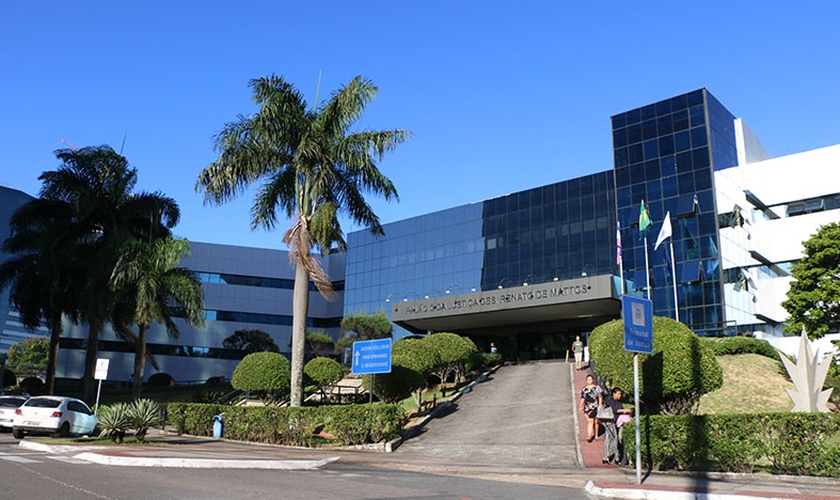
618 243
665 232
644 220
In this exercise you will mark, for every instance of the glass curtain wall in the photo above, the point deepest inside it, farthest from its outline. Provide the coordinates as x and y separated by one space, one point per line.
665 154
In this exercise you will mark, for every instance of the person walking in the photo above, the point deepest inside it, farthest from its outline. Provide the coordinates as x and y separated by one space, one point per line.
591 397
577 348
612 452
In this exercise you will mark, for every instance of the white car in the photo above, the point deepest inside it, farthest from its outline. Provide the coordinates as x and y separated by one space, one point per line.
8 405
56 415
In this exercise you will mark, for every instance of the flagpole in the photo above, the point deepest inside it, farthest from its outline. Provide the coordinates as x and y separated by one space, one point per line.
674 280
620 257
647 268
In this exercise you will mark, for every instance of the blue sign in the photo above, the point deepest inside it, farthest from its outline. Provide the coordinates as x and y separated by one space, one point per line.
638 324
372 356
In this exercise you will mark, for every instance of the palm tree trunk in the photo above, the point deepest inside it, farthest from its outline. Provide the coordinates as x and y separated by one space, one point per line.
139 361
300 309
90 363
52 355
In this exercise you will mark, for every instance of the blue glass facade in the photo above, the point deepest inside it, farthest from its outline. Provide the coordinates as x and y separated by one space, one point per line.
665 155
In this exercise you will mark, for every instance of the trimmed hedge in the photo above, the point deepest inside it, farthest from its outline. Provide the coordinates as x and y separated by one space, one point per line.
741 345
782 443
298 426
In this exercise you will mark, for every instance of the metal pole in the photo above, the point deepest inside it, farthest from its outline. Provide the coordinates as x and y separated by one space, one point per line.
647 269
637 418
370 392
98 390
674 280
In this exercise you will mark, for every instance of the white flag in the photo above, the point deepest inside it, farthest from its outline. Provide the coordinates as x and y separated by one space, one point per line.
665 232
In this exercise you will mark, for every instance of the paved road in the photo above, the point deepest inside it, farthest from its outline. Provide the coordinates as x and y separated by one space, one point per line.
520 418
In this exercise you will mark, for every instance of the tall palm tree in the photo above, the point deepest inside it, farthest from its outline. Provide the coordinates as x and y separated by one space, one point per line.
90 199
39 270
312 167
147 275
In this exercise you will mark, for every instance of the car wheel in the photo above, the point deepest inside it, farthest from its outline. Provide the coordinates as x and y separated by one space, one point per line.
17 433
64 431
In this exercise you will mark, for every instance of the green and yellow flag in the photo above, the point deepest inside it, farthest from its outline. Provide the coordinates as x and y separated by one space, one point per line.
644 220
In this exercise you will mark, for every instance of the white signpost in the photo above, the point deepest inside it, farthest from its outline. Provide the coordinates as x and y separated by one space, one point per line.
100 374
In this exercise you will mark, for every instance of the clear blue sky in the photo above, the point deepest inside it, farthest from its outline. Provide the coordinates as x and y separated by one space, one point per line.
501 96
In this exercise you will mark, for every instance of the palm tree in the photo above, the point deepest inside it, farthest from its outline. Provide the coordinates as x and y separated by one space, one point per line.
312 167
73 235
39 271
146 275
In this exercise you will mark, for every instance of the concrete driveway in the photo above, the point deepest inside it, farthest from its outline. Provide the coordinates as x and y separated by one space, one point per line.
521 416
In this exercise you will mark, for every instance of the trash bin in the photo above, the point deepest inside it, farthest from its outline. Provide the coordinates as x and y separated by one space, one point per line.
218 426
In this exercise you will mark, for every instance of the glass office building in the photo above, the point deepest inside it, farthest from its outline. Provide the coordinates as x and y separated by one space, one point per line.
687 157
665 155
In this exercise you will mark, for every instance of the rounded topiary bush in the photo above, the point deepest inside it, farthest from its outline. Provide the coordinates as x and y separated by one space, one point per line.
9 378
399 384
160 379
680 369
323 372
33 386
266 374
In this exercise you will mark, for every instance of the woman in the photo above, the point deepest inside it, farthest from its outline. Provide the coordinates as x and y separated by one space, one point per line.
611 445
591 397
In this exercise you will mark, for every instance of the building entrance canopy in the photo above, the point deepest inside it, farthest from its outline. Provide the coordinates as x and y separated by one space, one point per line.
559 306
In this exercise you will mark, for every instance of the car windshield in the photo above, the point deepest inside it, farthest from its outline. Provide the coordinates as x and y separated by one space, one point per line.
43 403
11 402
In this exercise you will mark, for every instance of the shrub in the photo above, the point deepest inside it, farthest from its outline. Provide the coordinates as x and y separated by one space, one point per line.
741 345
324 372
33 385
114 421
399 384
415 354
9 378
160 379
491 360
680 369
265 374
351 424
791 443
144 414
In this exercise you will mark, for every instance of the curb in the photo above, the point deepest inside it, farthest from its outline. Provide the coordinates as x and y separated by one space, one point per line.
100 455
667 494
204 463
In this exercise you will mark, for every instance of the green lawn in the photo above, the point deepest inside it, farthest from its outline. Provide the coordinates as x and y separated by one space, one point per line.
751 384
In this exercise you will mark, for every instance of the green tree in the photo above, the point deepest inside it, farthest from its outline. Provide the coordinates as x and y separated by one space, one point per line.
319 343
325 373
417 355
265 374
363 327
41 269
29 357
452 352
313 167
813 300
249 341
92 191
147 277
680 369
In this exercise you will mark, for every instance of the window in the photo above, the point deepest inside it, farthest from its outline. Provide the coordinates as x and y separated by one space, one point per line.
690 272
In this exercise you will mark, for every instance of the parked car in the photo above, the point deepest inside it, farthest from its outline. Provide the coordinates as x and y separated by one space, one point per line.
56 415
8 405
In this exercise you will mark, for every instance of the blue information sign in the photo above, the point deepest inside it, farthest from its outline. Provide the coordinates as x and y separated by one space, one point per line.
372 356
638 324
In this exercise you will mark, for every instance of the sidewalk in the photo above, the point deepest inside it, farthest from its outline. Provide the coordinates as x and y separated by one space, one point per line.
597 479
685 486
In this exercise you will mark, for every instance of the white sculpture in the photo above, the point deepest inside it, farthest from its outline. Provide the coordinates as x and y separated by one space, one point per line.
808 376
